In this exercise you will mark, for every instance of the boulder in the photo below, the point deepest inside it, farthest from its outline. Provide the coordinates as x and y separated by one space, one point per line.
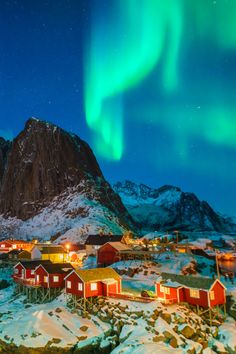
187 331
166 316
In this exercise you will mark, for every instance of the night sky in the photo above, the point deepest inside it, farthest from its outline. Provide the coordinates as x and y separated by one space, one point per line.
149 84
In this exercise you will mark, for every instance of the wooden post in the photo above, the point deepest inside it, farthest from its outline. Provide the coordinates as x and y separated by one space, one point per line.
198 309
217 266
210 317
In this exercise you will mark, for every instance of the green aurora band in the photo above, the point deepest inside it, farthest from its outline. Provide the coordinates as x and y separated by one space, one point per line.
128 43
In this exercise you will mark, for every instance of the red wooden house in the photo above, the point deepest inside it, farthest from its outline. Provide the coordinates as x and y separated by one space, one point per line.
93 282
52 275
24 272
199 291
109 253
8 245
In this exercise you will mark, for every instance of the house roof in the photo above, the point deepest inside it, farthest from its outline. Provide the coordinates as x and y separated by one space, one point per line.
52 250
15 251
188 280
33 264
99 240
119 246
97 274
57 268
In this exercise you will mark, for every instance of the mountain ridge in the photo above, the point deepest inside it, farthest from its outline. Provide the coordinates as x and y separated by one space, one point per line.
168 207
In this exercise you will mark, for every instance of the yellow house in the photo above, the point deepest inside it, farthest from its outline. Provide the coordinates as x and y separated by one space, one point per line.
55 254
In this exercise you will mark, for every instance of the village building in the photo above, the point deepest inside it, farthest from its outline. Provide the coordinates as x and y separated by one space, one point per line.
55 254
51 275
85 284
15 255
40 281
9 245
24 271
197 291
94 242
109 253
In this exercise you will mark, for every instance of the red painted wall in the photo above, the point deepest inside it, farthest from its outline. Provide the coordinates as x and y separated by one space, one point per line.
182 297
74 279
172 296
50 284
219 292
202 301
101 288
107 255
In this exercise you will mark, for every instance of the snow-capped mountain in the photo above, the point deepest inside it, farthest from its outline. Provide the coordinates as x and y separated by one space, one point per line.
52 185
169 208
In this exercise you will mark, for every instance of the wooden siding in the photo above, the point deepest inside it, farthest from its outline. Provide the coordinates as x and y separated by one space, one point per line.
219 292
107 255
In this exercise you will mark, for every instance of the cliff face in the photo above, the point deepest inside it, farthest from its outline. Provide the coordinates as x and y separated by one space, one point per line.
43 162
4 150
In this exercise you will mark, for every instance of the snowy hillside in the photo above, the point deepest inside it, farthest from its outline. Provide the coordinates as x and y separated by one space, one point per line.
168 207
71 216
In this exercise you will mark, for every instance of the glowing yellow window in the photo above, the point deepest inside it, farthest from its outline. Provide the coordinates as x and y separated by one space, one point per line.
195 293
212 295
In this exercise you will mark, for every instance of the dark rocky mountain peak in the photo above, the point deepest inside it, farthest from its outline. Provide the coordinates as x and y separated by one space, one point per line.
5 146
45 161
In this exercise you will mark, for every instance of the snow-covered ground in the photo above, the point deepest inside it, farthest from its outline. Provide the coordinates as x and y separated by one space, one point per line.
71 214
36 325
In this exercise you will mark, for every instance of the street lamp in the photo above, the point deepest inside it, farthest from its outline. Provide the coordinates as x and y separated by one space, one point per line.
68 249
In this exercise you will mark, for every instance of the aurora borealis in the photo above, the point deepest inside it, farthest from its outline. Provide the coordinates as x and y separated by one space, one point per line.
150 84
124 49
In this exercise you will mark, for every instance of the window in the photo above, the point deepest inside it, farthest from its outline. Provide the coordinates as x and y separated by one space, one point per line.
56 279
3 246
32 272
68 283
161 288
94 286
16 271
37 278
45 279
80 286
194 293
212 295
167 290
14 246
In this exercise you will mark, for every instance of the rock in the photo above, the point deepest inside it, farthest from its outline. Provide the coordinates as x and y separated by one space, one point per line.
166 316
168 335
4 284
58 310
173 342
158 339
187 331
84 328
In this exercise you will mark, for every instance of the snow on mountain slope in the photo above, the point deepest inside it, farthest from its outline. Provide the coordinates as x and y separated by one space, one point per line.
168 207
70 217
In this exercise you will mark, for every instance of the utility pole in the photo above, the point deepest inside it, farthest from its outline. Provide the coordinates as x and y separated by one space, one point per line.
217 265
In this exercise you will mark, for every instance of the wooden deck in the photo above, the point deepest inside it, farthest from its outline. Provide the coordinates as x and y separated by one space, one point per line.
26 282
130 297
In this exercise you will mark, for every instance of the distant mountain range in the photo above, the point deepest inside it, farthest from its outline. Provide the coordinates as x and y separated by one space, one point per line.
169 208
51 186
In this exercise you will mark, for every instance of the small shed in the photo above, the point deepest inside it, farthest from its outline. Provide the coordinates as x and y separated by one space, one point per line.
109 253
93 282
51 275
199 291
